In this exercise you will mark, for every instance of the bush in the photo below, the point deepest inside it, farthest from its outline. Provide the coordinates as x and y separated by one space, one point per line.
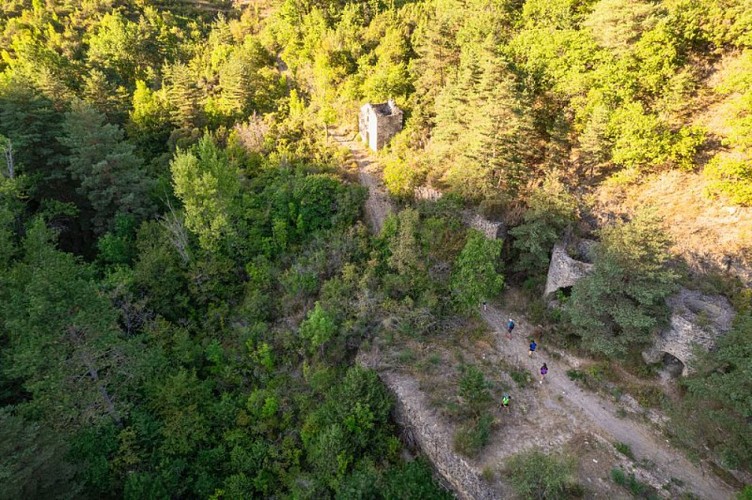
730 177
631 483
536 475
411 480
522 378
624 449
472 438
474 390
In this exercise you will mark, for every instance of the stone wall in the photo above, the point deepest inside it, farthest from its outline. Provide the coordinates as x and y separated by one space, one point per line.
386 127
696 320
564 271
493 230
424 427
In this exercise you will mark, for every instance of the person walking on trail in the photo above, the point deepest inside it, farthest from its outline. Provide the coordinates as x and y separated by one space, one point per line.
510 327
543 372
505 399
533 346
485 305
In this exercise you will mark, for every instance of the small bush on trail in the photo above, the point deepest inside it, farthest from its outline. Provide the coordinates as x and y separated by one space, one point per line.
624 449
522 378
630 482
536 475
470 439
474 390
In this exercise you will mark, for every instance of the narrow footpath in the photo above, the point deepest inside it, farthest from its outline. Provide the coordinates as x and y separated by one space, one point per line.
378 205
598 414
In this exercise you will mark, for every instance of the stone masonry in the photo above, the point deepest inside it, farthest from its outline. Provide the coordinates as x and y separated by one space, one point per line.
564 271
378 123
696 320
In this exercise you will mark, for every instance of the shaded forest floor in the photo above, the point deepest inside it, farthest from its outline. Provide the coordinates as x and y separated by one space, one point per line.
558 416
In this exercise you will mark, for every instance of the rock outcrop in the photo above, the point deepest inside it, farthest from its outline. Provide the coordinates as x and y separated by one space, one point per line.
696 320
564 271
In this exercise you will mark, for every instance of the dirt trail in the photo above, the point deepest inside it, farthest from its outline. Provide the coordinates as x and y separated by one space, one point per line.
561 403
378 205
601 413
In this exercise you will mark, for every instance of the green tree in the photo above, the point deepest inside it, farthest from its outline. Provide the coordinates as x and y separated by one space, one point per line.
473 389
318 328
536 475
207 184
185 97
551 211
33 460
621 304
475 277
718 404
33 125
109 173
149 124
63 336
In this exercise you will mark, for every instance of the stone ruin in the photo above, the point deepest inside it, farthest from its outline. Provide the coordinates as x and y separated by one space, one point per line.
564 271
491 229
378 123
696 320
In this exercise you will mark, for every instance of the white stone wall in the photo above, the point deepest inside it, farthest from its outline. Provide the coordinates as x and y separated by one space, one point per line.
376 129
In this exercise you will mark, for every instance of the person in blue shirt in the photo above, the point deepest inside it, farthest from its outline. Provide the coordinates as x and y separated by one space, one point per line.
533 346
510 327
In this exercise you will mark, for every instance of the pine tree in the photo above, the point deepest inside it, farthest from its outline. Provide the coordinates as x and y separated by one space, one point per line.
109 173
184 96
475 277
621 304
63 335
208 185
32 125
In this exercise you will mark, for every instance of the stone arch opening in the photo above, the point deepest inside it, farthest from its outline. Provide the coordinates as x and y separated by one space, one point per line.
673 365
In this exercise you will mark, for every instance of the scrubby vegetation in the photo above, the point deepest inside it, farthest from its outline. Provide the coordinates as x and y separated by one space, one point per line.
534 474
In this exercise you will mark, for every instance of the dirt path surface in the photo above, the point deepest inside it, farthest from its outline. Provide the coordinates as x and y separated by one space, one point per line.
378 205
558 413
598 415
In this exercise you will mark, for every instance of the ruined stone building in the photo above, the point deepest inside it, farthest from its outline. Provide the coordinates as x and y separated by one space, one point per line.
379 122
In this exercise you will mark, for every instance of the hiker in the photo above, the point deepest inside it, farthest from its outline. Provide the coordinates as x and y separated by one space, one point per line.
533 345
505 401
485 305
510 327
543 372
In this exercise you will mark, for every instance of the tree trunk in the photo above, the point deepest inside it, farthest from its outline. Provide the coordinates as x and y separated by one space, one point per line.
93 374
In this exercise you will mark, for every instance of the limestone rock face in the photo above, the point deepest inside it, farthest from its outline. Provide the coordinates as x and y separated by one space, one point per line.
696 319
493 230
564 271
